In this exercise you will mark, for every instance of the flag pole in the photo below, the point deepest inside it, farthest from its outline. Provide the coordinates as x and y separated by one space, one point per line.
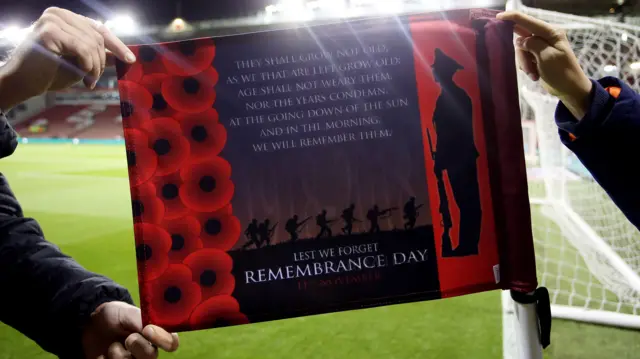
532 322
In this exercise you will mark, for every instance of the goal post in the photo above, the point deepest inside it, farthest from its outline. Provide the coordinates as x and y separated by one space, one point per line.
587 252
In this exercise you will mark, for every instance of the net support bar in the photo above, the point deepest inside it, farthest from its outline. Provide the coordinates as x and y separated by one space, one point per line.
596 316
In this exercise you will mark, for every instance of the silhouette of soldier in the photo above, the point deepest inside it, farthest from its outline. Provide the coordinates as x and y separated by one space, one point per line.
266 232
349 218
323 223
411 213
374 214
252 234
292 226
456 153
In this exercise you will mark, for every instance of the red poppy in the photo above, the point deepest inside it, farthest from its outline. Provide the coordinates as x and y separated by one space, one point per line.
167 190
149 58
152 247
206 136
191 94
141 160
135 102
172 297
187 58
207 186
185 237
129 72
228 209
165 138
145 205
216 312
220 229
218 163
153 84
211 269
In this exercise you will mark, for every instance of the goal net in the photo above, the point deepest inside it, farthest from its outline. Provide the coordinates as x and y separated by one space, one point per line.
587 252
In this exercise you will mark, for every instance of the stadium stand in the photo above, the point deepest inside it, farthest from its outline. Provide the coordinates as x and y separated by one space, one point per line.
56 121
97 121
106 125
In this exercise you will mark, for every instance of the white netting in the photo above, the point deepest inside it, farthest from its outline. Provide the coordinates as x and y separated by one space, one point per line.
588 254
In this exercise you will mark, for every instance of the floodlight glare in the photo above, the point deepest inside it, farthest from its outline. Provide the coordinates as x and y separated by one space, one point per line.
389 6
610 68
270 9
14 34
122 25
178 24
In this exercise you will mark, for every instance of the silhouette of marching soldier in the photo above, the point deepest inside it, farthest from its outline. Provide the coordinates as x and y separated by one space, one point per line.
411 213
266 232
292 226
252 234
349 218
455 153
374 214
323 223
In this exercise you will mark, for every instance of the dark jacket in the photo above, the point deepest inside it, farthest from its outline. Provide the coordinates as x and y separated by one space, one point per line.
607 141
43 293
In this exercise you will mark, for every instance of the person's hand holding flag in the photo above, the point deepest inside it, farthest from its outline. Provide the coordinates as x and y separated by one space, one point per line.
544 53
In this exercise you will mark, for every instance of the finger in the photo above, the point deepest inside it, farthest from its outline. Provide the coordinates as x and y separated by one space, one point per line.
140 347
93 27
103 61
117 351
522 31
160 337
527 64
534 45
62 43
78 43
531 24
82 27
101 47
92 77
117 47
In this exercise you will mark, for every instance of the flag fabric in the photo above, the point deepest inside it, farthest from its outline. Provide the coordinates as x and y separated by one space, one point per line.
326 168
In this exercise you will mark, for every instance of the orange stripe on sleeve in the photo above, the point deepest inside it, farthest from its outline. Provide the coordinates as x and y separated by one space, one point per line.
614 91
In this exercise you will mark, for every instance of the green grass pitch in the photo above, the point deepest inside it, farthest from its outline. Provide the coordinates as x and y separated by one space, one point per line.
80 196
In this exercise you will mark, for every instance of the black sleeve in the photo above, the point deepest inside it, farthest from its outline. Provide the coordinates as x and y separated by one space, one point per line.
43 293
607 141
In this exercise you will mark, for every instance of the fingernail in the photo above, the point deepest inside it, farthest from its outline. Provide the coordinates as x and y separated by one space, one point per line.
176 341
533 77
130 58
148 332
93 85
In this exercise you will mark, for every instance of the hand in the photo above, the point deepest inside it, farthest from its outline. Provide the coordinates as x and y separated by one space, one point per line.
115 332
62 49
544 52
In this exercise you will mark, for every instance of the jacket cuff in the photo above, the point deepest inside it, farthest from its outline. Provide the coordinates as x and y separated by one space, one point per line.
601 105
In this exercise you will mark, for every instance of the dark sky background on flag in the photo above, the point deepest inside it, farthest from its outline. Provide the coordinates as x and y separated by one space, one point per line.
147 12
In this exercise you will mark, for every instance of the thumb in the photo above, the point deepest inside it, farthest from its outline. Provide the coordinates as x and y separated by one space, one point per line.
533 44
129 319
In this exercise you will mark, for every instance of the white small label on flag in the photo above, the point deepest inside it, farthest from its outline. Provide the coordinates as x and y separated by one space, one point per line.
496 273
